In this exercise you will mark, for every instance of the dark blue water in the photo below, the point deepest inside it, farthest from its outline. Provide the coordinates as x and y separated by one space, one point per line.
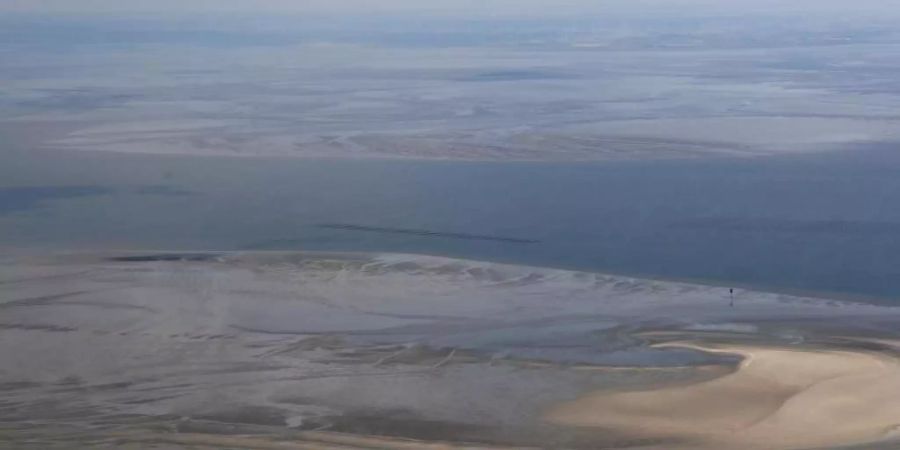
825 222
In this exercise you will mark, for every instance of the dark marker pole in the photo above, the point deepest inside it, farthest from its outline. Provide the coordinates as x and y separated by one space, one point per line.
731 293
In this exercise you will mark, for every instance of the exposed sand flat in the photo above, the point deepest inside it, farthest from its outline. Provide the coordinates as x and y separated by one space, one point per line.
303 441
795 133
269 349
207 138
779 398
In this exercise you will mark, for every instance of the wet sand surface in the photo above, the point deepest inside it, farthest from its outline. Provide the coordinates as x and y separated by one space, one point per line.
340 351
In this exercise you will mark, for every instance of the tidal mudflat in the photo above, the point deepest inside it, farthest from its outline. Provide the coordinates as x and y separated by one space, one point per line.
350 350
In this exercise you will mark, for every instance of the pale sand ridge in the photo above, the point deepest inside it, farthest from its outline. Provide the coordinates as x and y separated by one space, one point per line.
779 398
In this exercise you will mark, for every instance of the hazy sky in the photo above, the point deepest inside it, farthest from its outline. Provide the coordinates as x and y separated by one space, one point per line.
457 7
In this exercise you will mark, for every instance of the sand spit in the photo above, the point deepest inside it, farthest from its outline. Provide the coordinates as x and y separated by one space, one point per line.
779 398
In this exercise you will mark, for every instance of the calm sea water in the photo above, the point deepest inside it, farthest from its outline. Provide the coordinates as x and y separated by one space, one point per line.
824 222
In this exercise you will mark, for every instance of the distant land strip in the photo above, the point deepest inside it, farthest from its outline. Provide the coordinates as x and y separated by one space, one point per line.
430 233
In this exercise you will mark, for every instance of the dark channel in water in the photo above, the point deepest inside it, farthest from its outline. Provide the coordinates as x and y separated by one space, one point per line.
427 233
167 257
819 222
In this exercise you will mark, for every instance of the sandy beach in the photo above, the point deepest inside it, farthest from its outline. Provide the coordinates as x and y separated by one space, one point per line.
783 398
338 350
